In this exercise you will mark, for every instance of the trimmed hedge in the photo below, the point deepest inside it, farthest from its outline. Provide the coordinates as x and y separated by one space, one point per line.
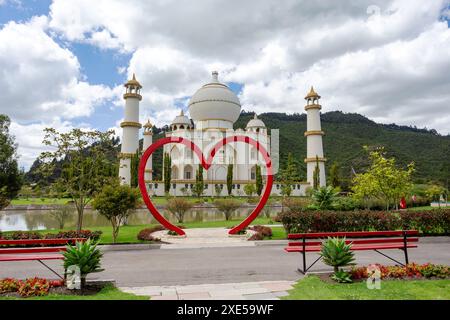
433 222
29 235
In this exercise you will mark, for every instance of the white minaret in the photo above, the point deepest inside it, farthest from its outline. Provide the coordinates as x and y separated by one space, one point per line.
314 133
131 126
148 140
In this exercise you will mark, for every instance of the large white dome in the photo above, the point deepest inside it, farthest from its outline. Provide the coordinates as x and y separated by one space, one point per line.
214 101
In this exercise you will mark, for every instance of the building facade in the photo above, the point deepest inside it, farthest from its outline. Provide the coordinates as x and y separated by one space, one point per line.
214 109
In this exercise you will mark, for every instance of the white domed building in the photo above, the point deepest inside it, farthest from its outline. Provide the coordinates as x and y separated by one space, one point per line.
213 109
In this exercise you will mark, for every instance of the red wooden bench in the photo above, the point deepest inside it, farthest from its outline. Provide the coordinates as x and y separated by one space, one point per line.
366 240
13 250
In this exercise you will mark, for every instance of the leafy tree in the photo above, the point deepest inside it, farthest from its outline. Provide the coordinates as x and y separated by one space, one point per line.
227 207
167 172
288 176
334 177
10 176
324 197
383 180
61 214
115 202
435 193
199 186
259 181
249 189
178 207
86 166
230 179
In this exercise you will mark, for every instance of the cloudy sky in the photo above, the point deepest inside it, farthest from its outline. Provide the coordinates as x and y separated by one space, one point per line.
63 62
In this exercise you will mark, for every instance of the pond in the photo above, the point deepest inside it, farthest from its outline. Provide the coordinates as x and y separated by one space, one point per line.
27 220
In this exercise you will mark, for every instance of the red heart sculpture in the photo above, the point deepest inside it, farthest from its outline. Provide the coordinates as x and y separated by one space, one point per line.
206 163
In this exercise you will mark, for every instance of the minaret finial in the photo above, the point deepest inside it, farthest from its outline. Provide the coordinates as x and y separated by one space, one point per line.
182 112
134 76
215 76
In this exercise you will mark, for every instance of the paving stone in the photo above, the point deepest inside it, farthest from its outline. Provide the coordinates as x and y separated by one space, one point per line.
165 297
276 286
280 293
260 296
194 296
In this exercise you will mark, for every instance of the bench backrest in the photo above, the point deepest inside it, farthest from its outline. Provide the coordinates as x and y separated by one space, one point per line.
354 234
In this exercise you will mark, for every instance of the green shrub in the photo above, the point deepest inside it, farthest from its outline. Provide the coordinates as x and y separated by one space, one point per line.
227 207
178 207
346 204
324 197
336 253
146 234
295 203
86 256
433 222
342 276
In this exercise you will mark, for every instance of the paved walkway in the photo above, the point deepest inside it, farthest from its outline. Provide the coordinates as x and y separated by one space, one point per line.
205 238
264 290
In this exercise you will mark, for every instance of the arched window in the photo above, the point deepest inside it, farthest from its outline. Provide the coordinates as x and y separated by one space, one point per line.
174 172
188 174
253 173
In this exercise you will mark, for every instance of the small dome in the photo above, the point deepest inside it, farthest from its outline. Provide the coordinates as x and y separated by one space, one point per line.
255 123
312 94
181 120
214 101
133 82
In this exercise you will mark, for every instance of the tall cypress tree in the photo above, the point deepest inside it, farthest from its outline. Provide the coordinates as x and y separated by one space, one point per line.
199 186
230 178
259 182
167 172
334 176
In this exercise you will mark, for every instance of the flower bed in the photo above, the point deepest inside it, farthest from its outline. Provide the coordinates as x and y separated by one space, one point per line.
27 235
412 271
434 222
262 232
29 287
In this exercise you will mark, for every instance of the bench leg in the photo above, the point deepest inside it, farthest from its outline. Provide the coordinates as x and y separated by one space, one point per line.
304 264
51 270
389 257
405 250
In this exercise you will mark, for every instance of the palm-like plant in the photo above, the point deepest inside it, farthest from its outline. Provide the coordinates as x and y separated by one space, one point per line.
324 197
336 253
86 256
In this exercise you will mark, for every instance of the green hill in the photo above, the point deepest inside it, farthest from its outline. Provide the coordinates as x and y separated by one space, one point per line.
346 134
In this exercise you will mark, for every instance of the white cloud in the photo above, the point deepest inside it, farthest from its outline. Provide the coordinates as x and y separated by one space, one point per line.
41 84
391 66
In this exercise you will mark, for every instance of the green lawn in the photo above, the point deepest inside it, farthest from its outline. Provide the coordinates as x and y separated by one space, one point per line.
39 201
312 288
107 293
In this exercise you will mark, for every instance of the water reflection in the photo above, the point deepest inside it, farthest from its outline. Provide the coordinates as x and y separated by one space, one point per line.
28 220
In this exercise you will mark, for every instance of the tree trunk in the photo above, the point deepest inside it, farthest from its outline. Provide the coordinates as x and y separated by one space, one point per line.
80 219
